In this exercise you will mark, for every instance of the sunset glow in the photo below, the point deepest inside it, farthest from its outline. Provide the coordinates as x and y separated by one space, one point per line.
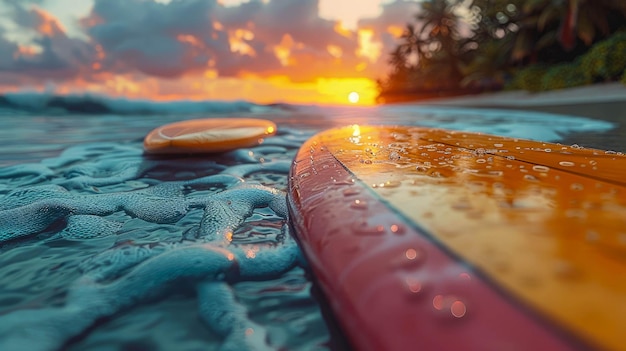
275 51
367 46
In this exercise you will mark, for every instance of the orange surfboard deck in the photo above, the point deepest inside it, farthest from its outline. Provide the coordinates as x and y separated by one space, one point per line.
208 135
439 240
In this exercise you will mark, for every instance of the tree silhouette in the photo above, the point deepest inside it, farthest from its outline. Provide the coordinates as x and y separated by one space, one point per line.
480 44
552 30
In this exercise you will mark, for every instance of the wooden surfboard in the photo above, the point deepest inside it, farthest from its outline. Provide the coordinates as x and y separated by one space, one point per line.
427 239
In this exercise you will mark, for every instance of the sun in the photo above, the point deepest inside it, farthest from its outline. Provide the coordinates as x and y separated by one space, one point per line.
353 97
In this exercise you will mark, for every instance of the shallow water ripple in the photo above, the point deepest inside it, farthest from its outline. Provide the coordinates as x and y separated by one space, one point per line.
101 231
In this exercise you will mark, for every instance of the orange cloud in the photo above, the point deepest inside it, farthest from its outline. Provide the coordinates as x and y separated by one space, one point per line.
238 40
47 24
91 20
396 31
189 39
260 51
334 51
343 31
283 50
26 51
367 46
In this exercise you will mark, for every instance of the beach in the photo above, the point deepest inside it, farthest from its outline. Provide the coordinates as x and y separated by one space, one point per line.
606 102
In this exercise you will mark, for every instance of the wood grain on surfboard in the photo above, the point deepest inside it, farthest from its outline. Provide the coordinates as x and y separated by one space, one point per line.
452 240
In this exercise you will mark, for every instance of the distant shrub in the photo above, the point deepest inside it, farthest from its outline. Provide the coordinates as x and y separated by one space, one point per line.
528 78
564 75
606 60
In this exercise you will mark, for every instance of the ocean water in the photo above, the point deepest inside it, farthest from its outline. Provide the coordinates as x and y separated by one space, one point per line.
105 248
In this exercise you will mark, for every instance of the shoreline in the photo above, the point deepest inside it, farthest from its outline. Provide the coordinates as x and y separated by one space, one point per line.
605 102
601 92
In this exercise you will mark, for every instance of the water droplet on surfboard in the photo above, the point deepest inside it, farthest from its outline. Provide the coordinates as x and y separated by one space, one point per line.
351 192
358 204
540 168
414 286
450 305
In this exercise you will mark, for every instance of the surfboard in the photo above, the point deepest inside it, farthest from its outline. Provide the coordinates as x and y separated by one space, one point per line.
429 239
209 135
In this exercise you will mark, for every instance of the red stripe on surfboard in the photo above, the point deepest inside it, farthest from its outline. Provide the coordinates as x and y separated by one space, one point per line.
390 287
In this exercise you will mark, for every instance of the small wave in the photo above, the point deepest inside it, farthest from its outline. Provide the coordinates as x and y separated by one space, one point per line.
49 104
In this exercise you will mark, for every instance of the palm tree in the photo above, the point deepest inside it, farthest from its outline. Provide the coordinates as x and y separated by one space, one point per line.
549 23
398 59
583 18
439 24
428 56
412 43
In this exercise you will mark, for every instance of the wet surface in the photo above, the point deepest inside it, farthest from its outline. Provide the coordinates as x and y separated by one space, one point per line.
105 198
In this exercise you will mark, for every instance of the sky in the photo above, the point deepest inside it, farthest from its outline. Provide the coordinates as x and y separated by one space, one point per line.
265 51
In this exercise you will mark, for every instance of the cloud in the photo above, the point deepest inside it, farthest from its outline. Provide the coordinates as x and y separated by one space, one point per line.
50 55
142 35
178 38
144 40
388 26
